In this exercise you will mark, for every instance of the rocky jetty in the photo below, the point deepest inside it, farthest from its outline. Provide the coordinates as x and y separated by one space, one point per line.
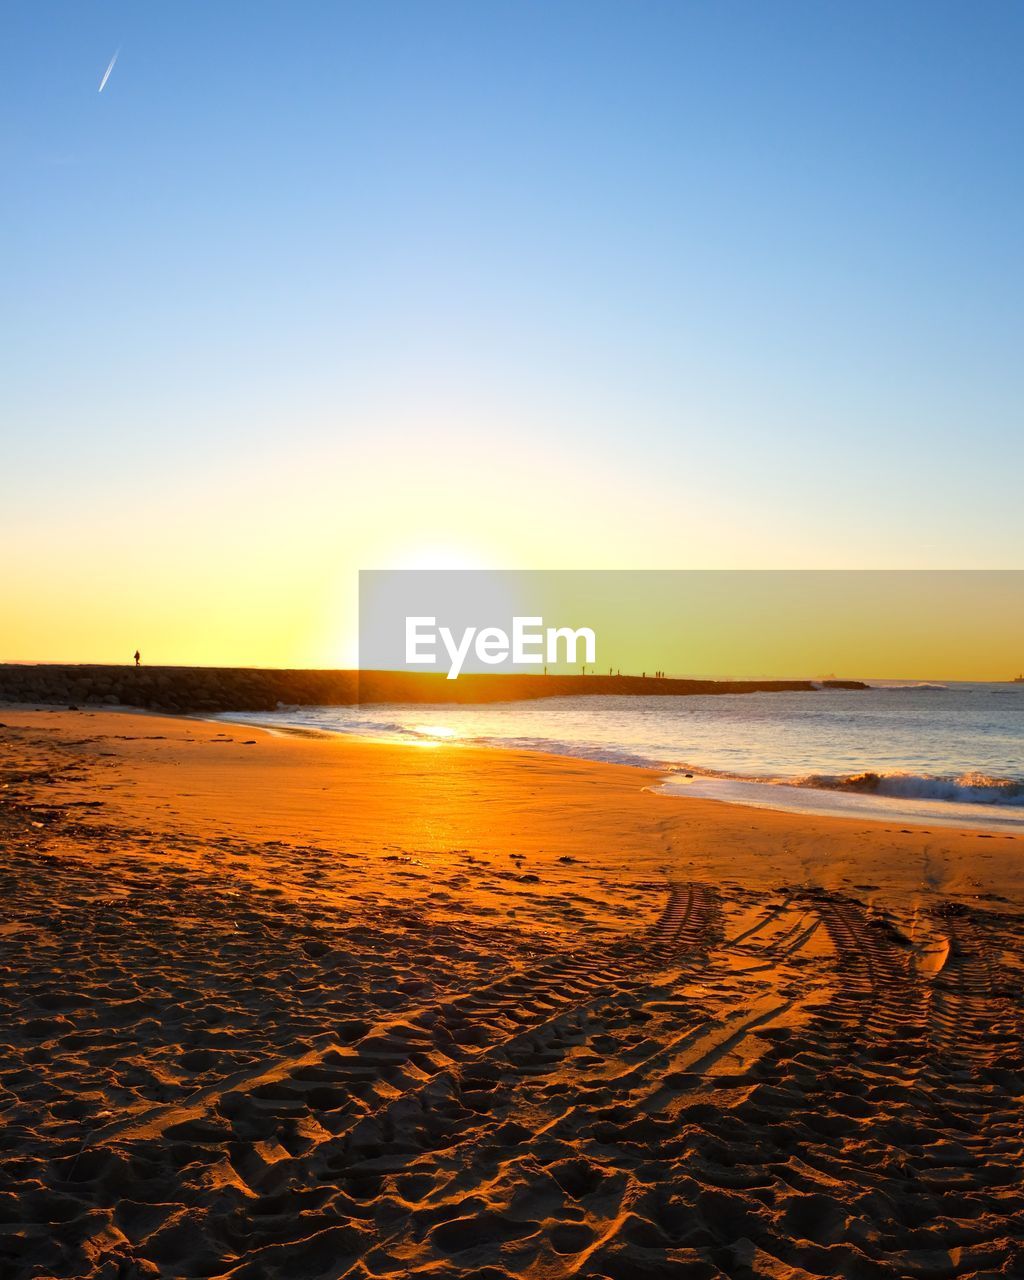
175 688
199 689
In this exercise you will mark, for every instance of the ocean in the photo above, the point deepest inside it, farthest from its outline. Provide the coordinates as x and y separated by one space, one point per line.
943 754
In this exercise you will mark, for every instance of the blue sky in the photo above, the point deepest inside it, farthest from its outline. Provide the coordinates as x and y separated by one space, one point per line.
569 284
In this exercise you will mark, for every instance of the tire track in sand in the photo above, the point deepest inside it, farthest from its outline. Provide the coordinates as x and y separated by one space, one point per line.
401 1054
465 1099
961 990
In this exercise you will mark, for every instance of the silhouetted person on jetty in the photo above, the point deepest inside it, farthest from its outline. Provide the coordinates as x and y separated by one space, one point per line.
138 657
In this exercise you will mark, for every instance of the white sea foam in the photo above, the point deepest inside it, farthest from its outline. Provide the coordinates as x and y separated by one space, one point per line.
912 688
967 788
822 802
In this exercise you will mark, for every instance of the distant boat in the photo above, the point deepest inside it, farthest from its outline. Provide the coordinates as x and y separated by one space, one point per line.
1017 680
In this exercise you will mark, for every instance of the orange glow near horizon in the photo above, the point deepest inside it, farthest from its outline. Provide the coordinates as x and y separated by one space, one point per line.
199 579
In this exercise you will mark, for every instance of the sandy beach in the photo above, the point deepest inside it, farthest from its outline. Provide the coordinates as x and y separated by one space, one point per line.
289 1005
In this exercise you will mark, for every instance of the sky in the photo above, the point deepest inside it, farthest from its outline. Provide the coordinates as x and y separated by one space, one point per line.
322 287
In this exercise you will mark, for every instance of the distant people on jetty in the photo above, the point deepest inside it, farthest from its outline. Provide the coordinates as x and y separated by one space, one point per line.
138 658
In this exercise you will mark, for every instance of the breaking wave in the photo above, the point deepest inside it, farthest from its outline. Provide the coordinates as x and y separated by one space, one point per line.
966 788
912 688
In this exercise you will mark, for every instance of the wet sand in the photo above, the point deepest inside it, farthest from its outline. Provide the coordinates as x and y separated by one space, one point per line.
293 1006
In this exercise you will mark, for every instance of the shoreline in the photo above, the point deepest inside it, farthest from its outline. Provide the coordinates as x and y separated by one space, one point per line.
374 779
748 792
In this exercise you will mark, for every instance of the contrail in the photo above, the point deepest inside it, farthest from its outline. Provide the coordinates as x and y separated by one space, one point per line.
106 74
